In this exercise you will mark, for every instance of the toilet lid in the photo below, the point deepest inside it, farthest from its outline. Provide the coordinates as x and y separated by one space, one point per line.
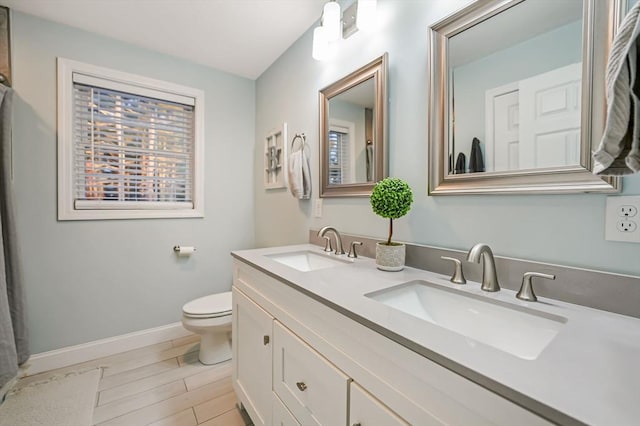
211 305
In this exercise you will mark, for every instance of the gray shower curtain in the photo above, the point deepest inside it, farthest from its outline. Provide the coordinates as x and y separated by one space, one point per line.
14 349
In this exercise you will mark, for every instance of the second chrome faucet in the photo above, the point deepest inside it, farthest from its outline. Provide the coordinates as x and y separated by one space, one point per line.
481 253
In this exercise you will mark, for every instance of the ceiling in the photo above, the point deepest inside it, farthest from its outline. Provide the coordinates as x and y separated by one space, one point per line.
512 26
243 37
362 94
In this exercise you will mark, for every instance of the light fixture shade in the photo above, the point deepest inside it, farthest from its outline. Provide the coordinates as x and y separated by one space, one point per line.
366 17
331 20
320 44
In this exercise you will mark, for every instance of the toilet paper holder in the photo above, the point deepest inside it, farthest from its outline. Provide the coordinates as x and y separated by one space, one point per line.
178 249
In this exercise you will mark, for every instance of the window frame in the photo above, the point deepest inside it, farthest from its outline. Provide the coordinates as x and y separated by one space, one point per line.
346 128
135 84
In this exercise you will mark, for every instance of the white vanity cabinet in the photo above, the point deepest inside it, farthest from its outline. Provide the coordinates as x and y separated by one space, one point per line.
281 414
321 366
366 410
252 332
313 389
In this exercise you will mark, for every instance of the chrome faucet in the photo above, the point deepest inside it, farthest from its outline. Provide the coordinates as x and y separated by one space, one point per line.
339 249
489 274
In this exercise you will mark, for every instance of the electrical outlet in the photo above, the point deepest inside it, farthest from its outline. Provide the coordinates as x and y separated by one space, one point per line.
627 210
622 219
626 226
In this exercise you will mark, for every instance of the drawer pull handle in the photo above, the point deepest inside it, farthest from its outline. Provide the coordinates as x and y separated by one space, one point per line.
357 424
302 386
265 340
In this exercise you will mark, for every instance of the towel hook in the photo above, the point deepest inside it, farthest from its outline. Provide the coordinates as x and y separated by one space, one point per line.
303 140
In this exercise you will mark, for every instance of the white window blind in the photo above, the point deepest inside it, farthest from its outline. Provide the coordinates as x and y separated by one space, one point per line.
131 151
339 157
129 146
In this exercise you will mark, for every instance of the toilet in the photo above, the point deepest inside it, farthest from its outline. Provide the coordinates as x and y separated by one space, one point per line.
210 317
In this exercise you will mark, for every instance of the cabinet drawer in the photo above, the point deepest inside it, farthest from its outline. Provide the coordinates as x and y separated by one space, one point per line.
313 389
366 410
281 415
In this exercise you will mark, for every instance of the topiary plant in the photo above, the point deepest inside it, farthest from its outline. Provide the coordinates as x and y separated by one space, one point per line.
391 198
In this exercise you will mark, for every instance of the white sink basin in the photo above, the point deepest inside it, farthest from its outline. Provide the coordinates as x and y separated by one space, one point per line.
517 330
308 261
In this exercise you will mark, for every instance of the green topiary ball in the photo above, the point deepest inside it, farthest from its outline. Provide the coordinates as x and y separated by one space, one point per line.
391 198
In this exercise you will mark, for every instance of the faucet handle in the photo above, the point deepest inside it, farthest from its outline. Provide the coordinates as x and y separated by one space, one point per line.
352 249
526 290
327 244
458 275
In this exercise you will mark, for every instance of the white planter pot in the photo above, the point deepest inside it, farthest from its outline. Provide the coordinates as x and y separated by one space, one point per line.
390 258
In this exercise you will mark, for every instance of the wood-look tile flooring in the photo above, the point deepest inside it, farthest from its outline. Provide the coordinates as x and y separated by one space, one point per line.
161 385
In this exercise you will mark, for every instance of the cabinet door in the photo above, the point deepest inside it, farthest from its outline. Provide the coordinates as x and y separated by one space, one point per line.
252 357
312 388
366 410
281 415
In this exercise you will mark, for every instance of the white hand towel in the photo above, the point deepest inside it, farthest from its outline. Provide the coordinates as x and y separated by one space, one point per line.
299 175
619 150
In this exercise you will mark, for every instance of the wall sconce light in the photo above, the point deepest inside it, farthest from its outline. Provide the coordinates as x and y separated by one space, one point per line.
360 15
366 16
332 21
320 50
329 30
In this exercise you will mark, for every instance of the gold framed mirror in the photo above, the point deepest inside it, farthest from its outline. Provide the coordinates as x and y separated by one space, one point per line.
517 97
353 132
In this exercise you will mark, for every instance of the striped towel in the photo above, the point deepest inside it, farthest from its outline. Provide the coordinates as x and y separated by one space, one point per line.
619 149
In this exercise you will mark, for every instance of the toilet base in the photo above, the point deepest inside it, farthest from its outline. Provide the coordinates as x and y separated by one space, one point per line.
214 348
215 337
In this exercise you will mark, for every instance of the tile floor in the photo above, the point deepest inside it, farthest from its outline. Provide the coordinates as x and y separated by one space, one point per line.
162 384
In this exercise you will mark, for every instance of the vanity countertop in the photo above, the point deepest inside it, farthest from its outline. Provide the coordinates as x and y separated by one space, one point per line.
590 372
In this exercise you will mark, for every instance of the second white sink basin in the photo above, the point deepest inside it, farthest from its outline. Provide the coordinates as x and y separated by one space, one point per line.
307 260
511 328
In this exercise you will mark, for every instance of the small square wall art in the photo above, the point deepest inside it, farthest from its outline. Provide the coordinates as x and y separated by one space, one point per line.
275 158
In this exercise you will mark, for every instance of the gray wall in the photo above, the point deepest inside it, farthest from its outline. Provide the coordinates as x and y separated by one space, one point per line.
563 229
94 279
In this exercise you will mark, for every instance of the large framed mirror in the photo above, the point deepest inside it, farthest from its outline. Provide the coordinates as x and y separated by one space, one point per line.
517 97
623 7
353 141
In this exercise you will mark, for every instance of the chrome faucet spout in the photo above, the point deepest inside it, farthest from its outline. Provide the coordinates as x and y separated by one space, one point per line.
321 232
489 274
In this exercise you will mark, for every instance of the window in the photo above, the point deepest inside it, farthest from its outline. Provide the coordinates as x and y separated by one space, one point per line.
338 156
341 153
128 146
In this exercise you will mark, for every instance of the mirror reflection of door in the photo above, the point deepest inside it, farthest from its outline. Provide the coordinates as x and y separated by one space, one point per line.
503 128
535 122
550 118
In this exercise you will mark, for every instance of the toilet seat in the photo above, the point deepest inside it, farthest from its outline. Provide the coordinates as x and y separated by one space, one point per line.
211 306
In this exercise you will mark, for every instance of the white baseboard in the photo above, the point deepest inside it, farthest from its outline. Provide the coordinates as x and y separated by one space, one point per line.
100 348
